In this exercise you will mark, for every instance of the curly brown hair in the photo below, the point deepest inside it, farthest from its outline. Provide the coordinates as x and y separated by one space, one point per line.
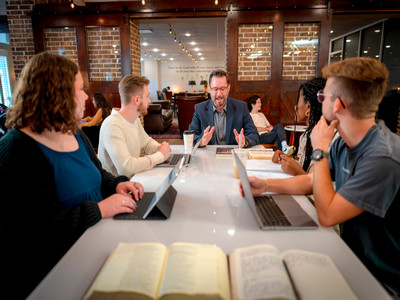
44 97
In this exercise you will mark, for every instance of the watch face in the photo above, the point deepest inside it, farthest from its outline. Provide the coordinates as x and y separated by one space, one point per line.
318 154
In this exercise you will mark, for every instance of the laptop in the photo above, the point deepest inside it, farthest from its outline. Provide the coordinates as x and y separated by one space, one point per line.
156 205
274 211
174 158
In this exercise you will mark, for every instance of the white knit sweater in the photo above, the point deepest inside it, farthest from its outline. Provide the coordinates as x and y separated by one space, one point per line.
125 148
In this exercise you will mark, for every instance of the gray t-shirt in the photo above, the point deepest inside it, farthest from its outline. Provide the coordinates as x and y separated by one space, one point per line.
368 176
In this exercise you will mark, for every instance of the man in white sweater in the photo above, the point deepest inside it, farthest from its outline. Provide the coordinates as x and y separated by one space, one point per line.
124 146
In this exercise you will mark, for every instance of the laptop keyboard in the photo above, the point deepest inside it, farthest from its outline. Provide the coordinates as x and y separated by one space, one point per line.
270 212
142 205
175 158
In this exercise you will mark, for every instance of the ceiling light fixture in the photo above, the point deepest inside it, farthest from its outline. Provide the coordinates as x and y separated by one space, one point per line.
72 4
143 2
216 2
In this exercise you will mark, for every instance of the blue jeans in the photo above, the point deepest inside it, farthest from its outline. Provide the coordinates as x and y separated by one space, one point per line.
277 134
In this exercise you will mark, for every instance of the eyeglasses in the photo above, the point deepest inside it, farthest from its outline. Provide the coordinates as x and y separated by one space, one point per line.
222 89
321 97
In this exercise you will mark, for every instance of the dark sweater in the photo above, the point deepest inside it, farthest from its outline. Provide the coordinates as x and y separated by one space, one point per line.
35 230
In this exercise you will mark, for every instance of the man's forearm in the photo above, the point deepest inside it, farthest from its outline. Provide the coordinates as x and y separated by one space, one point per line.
323 187
297 185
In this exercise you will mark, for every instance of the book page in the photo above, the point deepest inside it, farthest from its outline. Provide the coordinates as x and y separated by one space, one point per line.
264 165
131 268
316 276
257 272
195 269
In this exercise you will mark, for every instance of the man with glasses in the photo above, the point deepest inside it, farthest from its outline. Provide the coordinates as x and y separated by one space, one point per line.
364 162
222 120
124 146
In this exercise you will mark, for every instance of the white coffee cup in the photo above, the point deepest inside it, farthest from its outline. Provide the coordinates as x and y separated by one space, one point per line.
188 140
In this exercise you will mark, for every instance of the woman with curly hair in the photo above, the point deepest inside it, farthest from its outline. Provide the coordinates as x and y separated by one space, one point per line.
307 110
103 111
53 185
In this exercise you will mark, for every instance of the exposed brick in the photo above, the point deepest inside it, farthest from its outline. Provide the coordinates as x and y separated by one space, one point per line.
254 39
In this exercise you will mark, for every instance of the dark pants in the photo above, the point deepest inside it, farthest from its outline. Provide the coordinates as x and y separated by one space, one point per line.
277 134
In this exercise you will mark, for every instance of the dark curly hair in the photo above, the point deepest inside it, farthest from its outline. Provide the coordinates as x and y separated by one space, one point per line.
310 89
252 101
45 95
101 102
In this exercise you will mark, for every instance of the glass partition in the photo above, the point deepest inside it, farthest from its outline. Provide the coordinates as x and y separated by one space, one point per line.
300 51
254 47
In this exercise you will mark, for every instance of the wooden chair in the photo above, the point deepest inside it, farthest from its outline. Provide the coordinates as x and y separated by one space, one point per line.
272 146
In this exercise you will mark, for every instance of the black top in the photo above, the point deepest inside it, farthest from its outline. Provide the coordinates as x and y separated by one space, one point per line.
35 229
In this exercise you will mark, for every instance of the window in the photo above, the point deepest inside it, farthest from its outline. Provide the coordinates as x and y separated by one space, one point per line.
5 82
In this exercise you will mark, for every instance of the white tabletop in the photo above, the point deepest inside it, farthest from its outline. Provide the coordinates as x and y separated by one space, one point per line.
208 209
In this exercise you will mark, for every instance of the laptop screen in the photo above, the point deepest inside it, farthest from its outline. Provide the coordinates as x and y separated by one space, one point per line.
164 186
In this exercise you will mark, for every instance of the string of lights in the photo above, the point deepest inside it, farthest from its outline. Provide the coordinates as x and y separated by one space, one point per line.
177 40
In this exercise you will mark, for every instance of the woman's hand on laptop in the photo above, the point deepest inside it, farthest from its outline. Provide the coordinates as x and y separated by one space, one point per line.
134 189
116 204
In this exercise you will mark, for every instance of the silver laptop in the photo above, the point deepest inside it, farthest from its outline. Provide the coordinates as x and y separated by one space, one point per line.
174 158
156 205
274 211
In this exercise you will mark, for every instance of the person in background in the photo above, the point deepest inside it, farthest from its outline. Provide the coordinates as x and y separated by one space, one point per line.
268 133
364 162
228 117
103 111
308 110
164 92
124 147
53 186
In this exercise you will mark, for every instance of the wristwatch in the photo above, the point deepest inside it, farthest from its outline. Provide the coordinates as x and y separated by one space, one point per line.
318 154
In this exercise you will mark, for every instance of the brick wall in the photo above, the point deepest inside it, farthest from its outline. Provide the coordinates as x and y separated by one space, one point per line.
104 53
300 51
61 41
254 51
21 35
135 48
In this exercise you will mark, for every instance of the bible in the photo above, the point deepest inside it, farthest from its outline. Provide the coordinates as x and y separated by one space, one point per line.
202 271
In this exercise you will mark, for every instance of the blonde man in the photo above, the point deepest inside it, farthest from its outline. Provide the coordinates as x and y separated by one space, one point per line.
364 162
124 146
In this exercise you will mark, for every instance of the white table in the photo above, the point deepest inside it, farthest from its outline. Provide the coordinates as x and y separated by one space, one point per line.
208 209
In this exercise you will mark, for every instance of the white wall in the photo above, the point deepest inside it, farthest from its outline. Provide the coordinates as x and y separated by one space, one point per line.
176 74
150 70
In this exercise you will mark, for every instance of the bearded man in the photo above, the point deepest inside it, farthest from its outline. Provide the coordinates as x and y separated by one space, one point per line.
222 120
124 147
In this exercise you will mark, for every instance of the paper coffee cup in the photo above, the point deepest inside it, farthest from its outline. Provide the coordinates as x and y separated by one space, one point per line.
188 140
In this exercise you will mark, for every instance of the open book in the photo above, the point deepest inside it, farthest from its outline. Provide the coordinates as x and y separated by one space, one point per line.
200 271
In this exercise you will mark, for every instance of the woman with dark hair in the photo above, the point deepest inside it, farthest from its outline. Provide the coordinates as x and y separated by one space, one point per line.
308 110
268 133
53 185
103 111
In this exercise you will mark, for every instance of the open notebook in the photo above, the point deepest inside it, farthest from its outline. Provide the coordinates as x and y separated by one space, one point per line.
274 211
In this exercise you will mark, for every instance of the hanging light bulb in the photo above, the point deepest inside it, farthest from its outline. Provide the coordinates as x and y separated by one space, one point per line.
180 44
72 4
175 40
216 2
143 2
